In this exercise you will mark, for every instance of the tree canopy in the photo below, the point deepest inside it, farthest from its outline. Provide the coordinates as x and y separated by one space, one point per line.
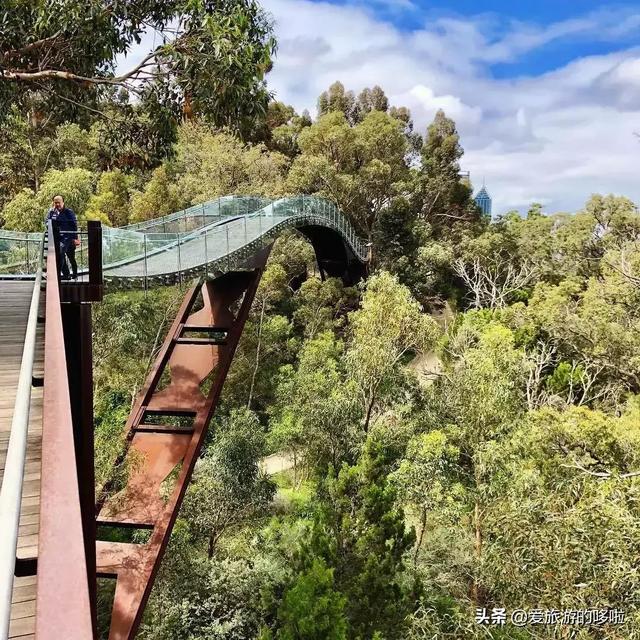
211 57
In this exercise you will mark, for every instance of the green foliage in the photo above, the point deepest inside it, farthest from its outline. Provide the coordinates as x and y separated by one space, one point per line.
158 199
616 217
135 135
267 343
214 66
128 331
404 249
210 164
316 413
322 305
75 185
196 599
594 330
446 198
32 146
228 487
23 213
111 413
561 513
110 203
337 99
388 327
311 609
361 533
295 255
429 481
361 168
535 211
486 392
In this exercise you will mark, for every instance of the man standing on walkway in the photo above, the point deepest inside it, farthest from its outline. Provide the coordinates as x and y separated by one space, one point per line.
68 225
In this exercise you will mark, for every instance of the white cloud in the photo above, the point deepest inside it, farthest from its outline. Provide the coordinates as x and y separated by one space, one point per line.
555 138
424 104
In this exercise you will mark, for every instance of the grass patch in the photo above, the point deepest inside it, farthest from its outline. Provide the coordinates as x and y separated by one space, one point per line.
289 498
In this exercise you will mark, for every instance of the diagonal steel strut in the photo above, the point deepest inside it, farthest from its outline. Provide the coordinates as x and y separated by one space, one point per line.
166 430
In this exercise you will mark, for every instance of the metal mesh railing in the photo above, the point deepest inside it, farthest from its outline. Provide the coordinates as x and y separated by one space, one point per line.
200 215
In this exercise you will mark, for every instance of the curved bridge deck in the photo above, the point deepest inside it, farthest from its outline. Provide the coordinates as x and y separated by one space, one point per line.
15 298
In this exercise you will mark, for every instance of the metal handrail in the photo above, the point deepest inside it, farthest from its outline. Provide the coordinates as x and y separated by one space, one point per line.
63 608
11 492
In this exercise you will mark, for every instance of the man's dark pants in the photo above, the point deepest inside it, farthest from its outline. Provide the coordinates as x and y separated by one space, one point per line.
68 252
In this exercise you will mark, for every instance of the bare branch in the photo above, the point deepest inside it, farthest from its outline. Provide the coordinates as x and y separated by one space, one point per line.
492 283
32 46
77 104
538 360
625 270
602 475
57 74
595 474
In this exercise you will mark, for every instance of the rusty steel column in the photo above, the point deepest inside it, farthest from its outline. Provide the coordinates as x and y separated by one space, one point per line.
166 429
76 321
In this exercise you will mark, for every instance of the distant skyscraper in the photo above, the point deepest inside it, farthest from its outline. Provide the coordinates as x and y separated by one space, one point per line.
483 200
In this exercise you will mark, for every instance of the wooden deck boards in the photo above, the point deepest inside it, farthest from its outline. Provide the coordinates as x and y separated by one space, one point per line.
15 298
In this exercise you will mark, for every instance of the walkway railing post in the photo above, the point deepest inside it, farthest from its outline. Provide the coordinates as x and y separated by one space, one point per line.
228 256
94 237
206 253
179 262
145 263
55 235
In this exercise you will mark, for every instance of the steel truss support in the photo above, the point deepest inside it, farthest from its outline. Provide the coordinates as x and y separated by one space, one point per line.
166 431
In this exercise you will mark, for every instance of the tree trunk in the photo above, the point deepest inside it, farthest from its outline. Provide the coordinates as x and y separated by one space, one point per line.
367 418
476 591
257 363
187 107
295 469
423 526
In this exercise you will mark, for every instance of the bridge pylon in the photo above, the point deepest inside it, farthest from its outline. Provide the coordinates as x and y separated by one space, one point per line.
165 434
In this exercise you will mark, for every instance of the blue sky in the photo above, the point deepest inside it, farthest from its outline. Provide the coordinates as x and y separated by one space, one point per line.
545 94
500 15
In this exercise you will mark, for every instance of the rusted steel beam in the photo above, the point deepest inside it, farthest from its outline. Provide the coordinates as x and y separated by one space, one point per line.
62 601
156 450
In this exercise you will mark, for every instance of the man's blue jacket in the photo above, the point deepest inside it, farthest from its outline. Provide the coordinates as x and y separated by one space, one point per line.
67 221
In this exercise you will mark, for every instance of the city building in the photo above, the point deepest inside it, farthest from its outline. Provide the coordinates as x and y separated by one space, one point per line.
483 200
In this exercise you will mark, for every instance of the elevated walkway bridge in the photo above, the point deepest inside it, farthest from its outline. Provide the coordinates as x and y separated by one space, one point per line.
53 547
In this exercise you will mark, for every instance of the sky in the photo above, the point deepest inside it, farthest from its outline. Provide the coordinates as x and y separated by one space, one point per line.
545 94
